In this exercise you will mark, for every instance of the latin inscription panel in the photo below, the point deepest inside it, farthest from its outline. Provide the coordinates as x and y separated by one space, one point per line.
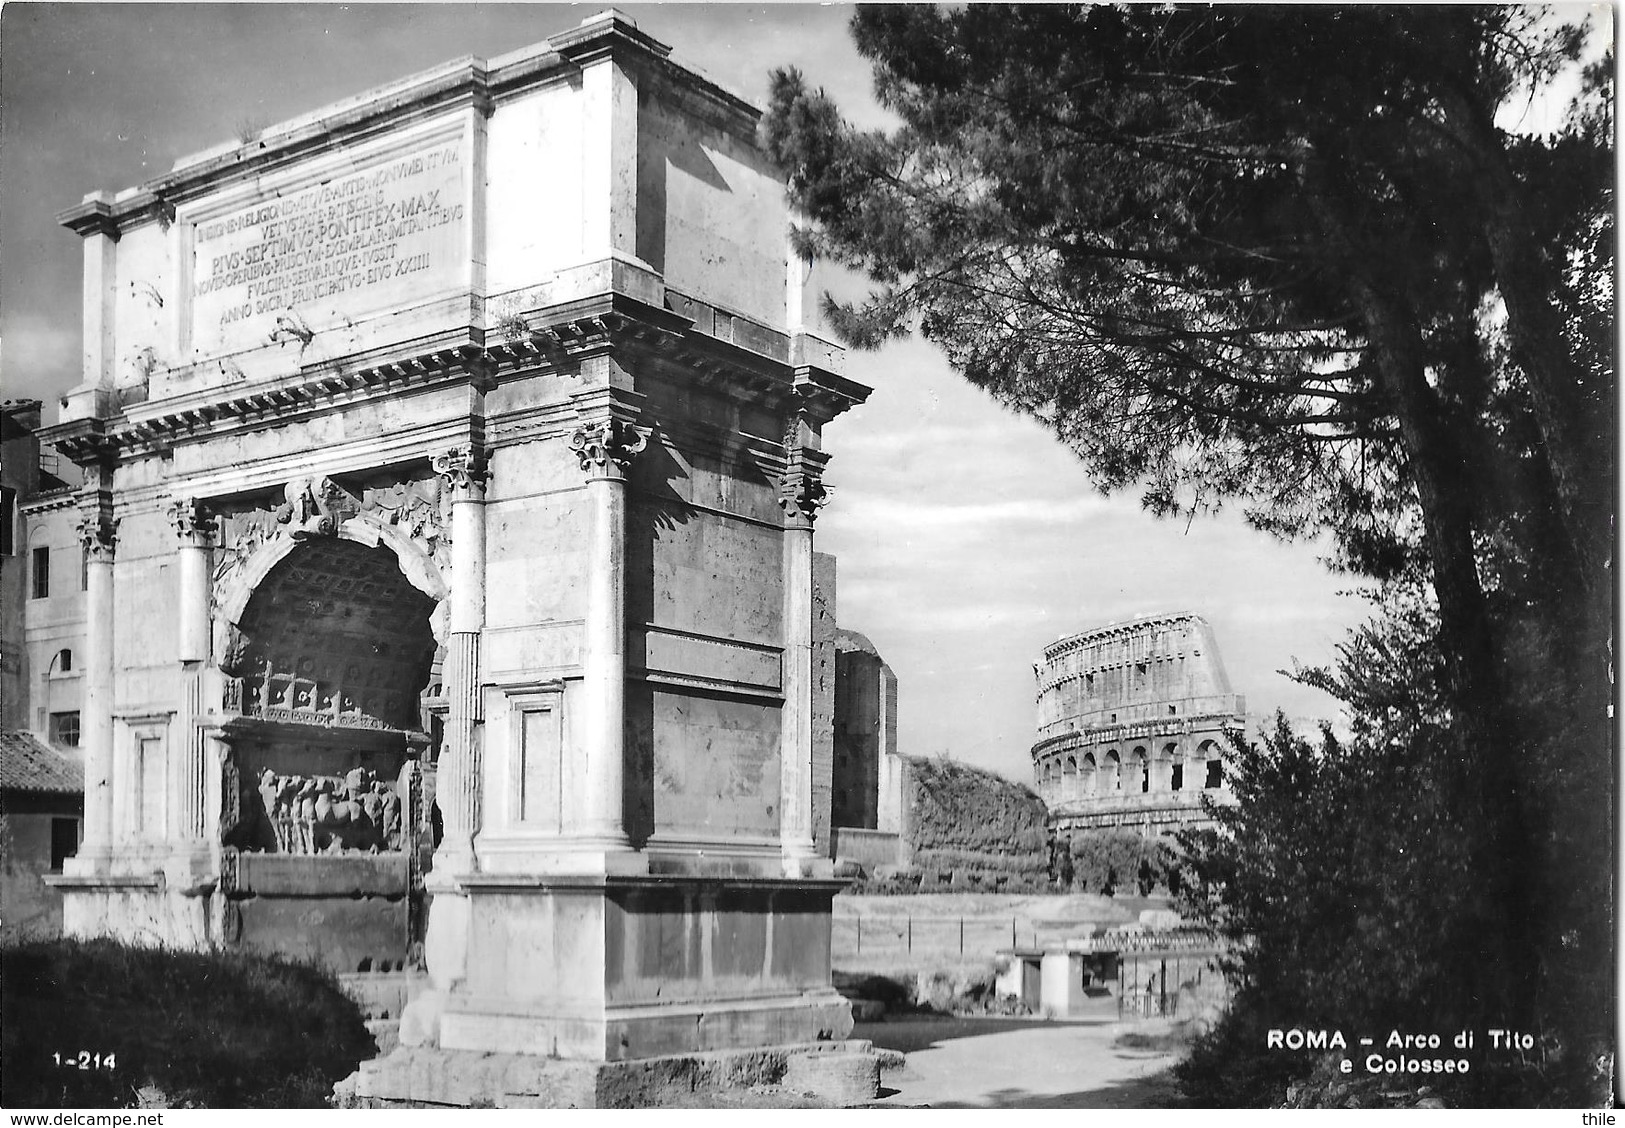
389 232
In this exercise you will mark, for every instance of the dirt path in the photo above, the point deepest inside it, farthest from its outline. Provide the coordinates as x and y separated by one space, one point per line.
1019 1063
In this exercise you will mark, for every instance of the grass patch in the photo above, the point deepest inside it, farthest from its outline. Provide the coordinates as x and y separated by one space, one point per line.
205 1029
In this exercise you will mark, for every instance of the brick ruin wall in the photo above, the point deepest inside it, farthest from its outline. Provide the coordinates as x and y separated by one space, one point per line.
972 829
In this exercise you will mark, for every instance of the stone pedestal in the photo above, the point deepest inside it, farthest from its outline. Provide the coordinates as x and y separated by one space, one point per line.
633 967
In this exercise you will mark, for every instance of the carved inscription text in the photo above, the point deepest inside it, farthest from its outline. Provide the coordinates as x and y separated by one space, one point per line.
353 243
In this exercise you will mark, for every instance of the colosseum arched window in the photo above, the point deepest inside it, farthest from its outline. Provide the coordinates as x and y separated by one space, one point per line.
1208 753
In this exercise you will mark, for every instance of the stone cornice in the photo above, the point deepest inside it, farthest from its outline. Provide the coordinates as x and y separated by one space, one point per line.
557 339
1120 630
460 87
823 395
65 498
605 34
1138 730
93 217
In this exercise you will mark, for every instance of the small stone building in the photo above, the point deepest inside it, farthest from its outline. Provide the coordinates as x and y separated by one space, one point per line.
1131 725
42 807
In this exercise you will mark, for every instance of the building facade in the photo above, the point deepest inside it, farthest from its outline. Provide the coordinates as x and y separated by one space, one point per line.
41 817
41 584
452 456
1131 726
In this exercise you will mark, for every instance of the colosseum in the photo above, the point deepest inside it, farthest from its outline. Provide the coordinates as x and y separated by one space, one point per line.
1131 722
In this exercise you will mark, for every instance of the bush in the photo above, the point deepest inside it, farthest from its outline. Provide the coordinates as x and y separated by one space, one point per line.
966 821
1350 880
1122 861
207 1029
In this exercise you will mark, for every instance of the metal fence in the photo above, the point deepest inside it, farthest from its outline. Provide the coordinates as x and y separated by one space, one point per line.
910 933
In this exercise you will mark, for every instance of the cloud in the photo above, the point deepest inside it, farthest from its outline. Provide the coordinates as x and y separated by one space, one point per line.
977 616
39 355
901 517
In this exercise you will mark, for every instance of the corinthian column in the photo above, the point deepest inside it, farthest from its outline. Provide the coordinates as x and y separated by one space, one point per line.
194 528
98 531
801 495
606 448
458 778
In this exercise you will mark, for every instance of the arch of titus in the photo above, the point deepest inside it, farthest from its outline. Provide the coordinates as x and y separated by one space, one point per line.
452 455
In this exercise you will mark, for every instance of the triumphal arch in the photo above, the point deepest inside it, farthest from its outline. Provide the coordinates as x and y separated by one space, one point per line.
452 455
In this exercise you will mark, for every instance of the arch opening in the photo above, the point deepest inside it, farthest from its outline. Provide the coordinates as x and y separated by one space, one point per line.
335 635
1208 755
329 761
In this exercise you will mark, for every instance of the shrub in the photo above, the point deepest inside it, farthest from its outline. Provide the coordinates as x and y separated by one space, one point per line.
208 1029
1122 861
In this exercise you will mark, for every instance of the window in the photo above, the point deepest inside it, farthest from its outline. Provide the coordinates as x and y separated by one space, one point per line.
42 573
64 661
65 729
64 841
8 521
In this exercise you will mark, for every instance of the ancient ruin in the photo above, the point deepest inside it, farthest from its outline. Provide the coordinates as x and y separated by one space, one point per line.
1131 725
452 456
868 771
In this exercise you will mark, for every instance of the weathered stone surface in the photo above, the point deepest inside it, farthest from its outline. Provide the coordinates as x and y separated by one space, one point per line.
837 1074
867 788
841 1078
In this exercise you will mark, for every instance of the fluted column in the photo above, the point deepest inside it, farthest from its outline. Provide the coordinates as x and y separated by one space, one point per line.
98 532
801 495
458 781
606 448
195 530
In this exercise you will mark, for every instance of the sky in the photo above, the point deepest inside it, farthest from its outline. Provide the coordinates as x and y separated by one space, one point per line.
968 538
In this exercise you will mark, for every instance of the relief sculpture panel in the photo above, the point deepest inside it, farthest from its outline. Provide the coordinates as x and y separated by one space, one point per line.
326 814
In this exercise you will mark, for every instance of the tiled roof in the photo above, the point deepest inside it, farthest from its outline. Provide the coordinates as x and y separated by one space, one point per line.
27 763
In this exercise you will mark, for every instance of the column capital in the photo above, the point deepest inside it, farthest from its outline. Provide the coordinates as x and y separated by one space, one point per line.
194 522
462 470
98 532
606 447
802 492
